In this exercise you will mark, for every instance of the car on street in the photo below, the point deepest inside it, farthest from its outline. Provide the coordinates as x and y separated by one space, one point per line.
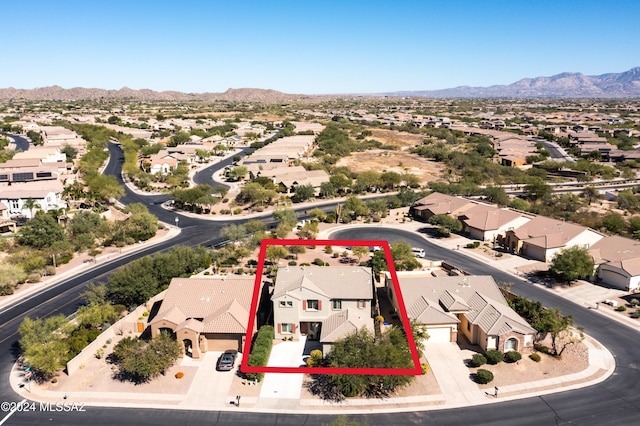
227 360
418 252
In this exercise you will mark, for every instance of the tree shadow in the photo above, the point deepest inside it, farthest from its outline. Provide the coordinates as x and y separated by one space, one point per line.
321 386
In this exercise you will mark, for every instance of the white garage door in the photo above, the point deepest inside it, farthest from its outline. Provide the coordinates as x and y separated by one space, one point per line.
439 334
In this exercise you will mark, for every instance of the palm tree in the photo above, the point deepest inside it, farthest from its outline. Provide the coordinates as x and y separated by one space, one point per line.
30 204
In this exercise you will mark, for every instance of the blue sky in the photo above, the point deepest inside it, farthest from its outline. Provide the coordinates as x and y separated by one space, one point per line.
311 47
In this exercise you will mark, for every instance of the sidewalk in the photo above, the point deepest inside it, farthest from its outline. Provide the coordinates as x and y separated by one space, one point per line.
81 263
282 394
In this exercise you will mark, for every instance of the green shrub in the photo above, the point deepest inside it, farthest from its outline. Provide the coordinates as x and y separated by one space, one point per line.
621 308
634 302
292 263
477 360
318 262
512 356
483 376
494 356
535 357
541 348
635 314
260 351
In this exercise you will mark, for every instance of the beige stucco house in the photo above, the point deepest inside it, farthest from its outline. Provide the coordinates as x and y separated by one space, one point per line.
323 303
471 306
485 223
436 203
542 238
617 260
206 314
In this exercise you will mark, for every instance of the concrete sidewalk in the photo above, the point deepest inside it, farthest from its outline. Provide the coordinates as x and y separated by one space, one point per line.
76 266
282 392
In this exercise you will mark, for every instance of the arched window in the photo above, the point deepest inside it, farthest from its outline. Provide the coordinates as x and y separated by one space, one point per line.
511 344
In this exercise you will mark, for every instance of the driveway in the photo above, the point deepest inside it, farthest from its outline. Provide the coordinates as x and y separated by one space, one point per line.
281 390
446 361
210 388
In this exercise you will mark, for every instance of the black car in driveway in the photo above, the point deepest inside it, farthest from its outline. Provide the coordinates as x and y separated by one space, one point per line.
227 360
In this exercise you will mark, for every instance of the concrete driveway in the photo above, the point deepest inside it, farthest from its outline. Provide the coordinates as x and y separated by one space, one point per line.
210 388
447 363
281 390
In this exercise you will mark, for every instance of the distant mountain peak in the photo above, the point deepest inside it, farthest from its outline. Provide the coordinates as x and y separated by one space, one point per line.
564 85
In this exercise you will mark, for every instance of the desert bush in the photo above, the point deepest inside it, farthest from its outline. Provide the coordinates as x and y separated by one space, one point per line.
494 356
621 308
541 348
635 314
477 360
292 263
535 357
315 358
483 376
260 350
634 302
512 356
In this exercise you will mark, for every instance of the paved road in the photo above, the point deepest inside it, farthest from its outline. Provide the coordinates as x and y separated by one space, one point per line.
21 143
615 401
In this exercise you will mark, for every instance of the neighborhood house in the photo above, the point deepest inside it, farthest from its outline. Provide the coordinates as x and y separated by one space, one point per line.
471 306
322 303
206 314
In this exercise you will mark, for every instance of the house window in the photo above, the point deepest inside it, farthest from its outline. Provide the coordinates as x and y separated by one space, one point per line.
336 305
286 303
362 304
287 327
312 305
468 325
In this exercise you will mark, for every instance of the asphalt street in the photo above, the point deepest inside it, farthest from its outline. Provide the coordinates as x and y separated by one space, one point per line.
615 401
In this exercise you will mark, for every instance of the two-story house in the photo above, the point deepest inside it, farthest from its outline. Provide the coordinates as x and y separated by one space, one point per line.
322 303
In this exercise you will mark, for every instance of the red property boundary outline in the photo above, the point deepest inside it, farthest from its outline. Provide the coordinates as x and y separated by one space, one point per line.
246 368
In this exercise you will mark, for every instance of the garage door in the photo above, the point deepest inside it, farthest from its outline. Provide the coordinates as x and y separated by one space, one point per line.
439 334
223 345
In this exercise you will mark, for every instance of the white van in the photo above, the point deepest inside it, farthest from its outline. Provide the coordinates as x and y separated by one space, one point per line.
417 252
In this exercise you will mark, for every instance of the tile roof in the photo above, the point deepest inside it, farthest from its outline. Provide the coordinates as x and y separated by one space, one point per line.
495 318
429 312
453 302
548 233
343 323
444 204
218 304
620 252
333 282
488 218
34 189
481 301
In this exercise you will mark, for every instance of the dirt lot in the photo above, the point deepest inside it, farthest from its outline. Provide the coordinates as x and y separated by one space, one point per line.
400 161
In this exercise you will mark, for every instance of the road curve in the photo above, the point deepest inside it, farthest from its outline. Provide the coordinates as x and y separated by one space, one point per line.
615 401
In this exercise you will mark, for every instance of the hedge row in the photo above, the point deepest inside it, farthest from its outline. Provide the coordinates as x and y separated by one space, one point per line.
260 351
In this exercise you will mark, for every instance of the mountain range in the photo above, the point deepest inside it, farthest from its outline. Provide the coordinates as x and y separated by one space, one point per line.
565 85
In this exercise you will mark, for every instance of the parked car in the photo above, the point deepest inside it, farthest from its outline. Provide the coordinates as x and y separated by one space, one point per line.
418 252
227 360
